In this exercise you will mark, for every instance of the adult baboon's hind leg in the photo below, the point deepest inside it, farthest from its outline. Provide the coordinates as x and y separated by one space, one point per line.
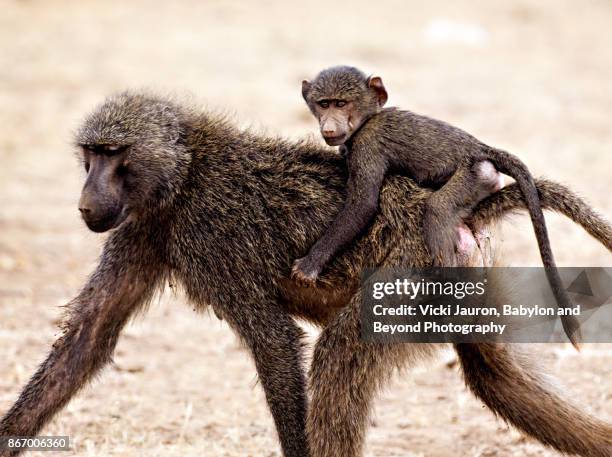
345 375
347 371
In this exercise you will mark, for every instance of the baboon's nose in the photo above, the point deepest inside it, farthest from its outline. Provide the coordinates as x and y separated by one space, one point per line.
85 204
329 133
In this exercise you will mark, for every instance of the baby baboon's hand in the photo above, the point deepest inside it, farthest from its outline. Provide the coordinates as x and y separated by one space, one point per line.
305 271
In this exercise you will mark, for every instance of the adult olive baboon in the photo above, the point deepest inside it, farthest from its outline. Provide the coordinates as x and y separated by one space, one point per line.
191 199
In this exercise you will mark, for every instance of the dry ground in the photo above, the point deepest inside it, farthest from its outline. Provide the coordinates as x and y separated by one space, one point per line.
533 77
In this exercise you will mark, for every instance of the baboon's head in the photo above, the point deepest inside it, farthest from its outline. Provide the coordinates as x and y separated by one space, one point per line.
131 149
342 99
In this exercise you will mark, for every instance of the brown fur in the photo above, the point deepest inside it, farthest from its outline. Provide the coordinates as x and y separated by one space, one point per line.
231 212
349 107
500 375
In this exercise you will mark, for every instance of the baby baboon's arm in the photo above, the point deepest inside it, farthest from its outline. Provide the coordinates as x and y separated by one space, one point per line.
366 173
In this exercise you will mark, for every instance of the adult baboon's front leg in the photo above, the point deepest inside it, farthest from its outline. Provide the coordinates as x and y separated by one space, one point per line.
90 333
276 344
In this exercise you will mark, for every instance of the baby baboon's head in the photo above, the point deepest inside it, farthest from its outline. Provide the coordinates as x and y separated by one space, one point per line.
342 98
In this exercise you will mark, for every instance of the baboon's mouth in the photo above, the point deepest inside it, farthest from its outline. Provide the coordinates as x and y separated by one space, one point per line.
105 223
334 140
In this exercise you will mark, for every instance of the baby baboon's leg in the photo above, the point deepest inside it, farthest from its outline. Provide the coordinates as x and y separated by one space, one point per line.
445 210
275 342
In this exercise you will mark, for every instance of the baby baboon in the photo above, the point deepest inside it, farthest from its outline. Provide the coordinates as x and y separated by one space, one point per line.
376 141
191 200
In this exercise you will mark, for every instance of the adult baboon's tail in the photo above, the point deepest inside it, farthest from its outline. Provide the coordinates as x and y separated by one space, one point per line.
554 197
506 384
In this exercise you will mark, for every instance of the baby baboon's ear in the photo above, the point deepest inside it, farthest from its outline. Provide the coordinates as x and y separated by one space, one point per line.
306 89
375 83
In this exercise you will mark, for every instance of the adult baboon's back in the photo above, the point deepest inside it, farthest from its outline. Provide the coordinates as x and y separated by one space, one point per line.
224 213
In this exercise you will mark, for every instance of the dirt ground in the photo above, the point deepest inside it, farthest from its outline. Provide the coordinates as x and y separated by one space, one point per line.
531 77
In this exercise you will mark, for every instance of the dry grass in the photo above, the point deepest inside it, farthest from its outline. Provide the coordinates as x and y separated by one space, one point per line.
533 77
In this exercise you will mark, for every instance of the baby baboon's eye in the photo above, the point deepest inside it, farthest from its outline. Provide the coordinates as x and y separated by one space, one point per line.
324 104
340 103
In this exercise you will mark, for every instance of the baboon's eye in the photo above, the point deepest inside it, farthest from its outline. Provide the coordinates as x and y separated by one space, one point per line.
340 103
112 149
324 104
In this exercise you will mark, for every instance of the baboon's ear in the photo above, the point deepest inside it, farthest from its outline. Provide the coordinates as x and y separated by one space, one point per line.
170 123
375 83
305 89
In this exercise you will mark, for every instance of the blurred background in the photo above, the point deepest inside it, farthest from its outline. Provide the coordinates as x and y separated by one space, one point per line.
534 78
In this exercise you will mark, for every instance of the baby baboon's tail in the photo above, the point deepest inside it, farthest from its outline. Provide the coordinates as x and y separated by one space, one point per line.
506 383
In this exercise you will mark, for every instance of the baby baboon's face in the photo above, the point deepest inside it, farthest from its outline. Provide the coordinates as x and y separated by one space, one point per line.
342 99
337 118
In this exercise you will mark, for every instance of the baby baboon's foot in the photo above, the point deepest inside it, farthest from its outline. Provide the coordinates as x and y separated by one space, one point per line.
440 241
